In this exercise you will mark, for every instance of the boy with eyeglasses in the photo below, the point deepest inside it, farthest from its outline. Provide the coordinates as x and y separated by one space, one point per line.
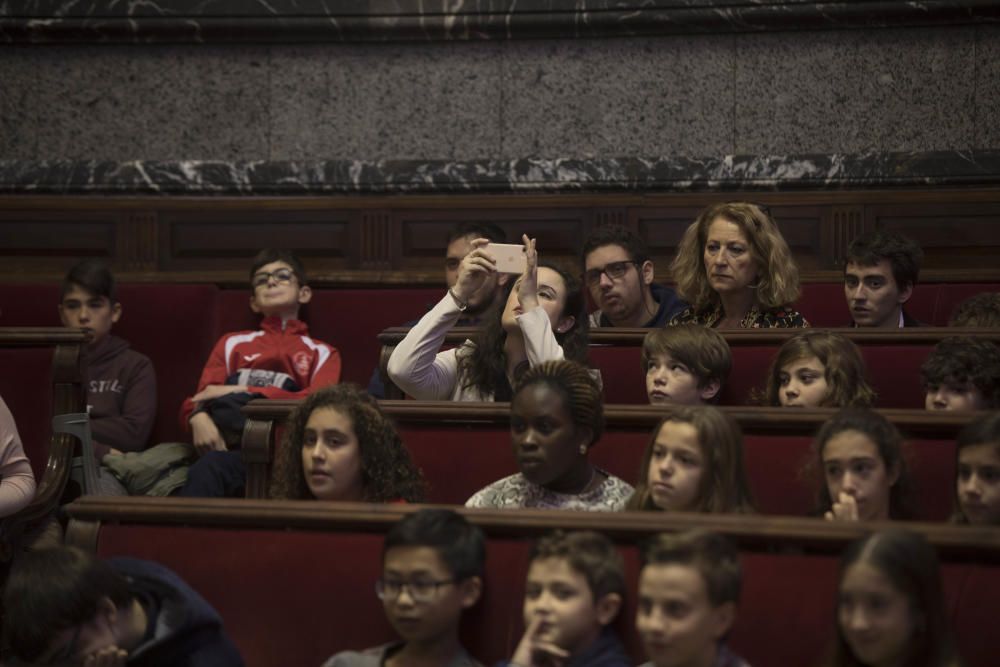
619 274
432 567
278 361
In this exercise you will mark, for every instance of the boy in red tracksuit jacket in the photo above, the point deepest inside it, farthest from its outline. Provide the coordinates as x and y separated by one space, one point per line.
278 361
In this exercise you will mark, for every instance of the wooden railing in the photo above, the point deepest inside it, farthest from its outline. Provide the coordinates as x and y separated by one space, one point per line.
68 396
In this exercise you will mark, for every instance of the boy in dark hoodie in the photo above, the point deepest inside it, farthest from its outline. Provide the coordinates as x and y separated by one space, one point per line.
574 591
65 606
121 383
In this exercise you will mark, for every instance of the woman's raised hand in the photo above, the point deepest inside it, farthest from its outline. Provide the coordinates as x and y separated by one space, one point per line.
475 268
527 288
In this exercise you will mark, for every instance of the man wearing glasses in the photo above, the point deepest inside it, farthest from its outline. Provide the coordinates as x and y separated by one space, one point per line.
619 275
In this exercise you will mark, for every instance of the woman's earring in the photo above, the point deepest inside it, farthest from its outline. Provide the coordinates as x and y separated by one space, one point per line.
583 450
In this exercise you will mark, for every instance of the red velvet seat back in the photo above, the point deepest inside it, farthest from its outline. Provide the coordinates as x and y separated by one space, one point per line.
26 388
458 460
294 598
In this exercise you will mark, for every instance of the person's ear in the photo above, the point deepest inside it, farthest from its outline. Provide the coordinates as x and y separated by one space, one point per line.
893 474
565 324
471 589
62 315
648 272
722 619
608 607
305 294
503 279
253 303
584 438
107 612
116 312
905 294
710 390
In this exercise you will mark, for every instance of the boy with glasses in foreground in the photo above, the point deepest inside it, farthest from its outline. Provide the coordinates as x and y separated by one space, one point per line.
432 568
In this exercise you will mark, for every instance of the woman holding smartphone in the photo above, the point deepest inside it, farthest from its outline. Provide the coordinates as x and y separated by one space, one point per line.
542 318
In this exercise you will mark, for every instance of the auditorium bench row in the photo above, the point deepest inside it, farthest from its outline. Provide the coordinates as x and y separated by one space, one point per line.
463 447
177 324
294 581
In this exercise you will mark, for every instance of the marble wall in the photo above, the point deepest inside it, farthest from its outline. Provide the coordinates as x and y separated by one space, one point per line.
828 92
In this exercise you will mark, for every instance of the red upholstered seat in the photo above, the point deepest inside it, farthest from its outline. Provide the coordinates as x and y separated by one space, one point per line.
294 597
459 459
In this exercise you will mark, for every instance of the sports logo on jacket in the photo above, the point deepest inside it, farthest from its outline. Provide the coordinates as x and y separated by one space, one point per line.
302 361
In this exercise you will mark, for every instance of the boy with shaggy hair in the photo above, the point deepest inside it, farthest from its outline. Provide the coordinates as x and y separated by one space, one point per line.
574 591
962 373
881 271
688 589
63 605
685 364
432 571
278 361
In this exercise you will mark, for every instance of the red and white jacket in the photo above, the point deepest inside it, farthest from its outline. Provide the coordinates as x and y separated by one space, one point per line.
311 364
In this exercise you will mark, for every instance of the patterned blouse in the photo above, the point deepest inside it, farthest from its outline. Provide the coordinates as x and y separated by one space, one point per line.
782 318
517 492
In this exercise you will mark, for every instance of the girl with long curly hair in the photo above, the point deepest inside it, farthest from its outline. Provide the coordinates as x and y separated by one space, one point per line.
339 445
542 318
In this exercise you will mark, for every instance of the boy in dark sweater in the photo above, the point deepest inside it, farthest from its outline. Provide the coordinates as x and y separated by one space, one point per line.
65 606
121 383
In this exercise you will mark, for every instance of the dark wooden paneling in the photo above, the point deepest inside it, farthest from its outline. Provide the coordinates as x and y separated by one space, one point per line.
402 239
219 242
953 235
53 240
421 234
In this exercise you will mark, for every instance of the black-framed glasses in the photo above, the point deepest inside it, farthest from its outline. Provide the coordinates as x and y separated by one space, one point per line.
613 270
421 590
280 276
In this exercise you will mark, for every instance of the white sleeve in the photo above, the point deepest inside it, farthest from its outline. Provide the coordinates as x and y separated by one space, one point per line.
416 365
540 342
17 488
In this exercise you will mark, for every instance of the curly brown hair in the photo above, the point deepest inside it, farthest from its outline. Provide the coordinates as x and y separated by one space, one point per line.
844 369
778 276
387 471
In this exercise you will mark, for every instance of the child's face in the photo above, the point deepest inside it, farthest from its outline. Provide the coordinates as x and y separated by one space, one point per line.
874 617
546 442
676 467
852 465
950 397
276 291
561 597
81 309
675 619
672 383
979 483
551 297
802 383
331 456
431 602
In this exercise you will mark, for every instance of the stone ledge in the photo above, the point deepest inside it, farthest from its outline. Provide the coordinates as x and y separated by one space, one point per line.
658 174
278 21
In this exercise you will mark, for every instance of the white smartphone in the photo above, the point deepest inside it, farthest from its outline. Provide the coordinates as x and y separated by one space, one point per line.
510 257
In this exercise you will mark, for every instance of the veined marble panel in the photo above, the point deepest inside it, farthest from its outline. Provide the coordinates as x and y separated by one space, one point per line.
656 174
37 21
